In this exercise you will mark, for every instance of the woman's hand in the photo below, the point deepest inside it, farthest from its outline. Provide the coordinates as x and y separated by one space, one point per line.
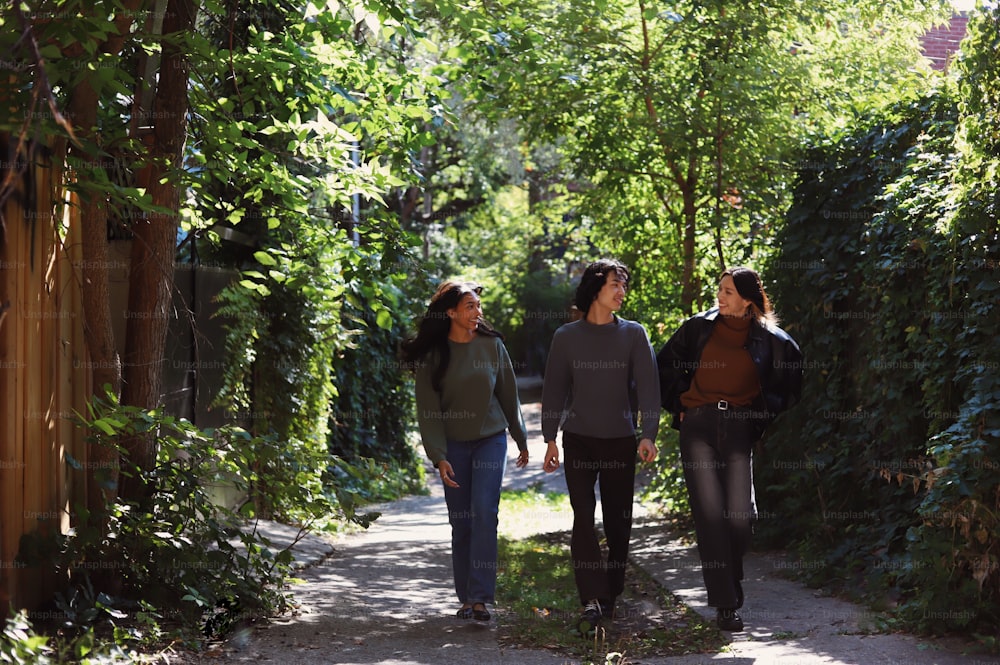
647 450
551 457
447 473
522 458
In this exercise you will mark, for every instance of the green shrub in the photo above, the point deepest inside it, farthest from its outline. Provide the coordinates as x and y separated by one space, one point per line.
20 645
201 564
278 369
887 275
373 405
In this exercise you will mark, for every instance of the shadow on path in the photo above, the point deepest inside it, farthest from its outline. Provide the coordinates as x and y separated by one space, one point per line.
385 596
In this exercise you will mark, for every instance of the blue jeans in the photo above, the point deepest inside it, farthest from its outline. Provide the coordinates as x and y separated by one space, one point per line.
473 511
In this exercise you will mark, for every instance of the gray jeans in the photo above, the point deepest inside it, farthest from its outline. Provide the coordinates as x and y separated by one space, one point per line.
716 450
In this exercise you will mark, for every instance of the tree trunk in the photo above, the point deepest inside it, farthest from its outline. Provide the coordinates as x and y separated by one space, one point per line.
104 362
686 182
689 285
151 275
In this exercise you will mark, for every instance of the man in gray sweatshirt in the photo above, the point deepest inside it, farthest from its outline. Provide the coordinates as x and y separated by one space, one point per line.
601 384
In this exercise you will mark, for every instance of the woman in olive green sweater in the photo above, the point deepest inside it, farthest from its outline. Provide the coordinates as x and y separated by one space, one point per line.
466 401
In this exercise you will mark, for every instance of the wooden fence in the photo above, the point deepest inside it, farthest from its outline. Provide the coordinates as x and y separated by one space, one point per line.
44 371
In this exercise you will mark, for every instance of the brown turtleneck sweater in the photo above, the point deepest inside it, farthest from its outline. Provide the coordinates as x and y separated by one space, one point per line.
725 369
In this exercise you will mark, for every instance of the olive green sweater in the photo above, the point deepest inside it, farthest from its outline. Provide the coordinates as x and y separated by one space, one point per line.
478 397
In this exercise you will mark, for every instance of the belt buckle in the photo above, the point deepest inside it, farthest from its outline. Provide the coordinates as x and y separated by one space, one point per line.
723 405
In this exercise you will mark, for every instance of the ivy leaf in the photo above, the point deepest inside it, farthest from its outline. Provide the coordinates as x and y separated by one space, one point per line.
104 427
265 259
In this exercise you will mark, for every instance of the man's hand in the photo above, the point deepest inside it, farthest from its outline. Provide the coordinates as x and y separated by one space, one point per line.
647 450
551 457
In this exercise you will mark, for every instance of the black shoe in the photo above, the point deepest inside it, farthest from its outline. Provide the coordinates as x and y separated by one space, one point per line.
464 613
480 615
739 594
729 619
607 608
590 618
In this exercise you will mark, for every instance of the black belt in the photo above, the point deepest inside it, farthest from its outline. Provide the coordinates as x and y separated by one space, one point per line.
721 405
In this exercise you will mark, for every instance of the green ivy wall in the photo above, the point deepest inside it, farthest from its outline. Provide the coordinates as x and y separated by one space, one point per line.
887 476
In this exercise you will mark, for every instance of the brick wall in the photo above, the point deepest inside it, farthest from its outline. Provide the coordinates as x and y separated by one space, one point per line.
942 41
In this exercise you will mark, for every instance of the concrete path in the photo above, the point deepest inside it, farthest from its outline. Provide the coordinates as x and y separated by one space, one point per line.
385 596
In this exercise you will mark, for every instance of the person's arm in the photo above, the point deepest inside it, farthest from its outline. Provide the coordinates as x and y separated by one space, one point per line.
506 393
791 372
551 462
430 420
675 367
555 390
647 386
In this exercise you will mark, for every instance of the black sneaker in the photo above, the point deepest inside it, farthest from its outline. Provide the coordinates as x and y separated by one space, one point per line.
607 608
739 594
590 618
729 620
480 614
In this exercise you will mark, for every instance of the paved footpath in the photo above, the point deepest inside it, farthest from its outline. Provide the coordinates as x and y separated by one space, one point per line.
385 596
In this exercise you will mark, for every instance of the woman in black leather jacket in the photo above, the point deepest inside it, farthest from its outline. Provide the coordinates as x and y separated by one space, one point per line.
725 375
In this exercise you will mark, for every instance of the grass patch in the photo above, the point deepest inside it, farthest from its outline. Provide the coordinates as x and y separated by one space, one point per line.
533 498
531 510
538 608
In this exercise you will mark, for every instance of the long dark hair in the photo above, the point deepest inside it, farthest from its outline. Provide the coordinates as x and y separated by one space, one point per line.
750 287
593 280
432 331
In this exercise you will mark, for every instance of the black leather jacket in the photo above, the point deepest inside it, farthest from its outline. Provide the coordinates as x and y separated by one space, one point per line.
774 352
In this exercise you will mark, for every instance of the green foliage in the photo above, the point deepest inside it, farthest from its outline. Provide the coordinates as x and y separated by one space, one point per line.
174 549
366 480
666 489
522 253
886 274
314 361
282 102
310 323
374 398
279 373
672 124
296 113
20 645
956 546
99 162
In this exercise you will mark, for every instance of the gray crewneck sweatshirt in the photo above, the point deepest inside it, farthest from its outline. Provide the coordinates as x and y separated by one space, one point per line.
599 380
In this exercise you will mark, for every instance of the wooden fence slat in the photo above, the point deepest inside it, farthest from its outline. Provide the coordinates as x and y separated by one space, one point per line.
13 398
9 469
44 376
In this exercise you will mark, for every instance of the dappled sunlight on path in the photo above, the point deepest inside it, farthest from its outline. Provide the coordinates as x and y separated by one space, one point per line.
386 596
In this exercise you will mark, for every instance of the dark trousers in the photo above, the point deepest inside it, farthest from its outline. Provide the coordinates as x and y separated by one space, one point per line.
611 463
716 449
